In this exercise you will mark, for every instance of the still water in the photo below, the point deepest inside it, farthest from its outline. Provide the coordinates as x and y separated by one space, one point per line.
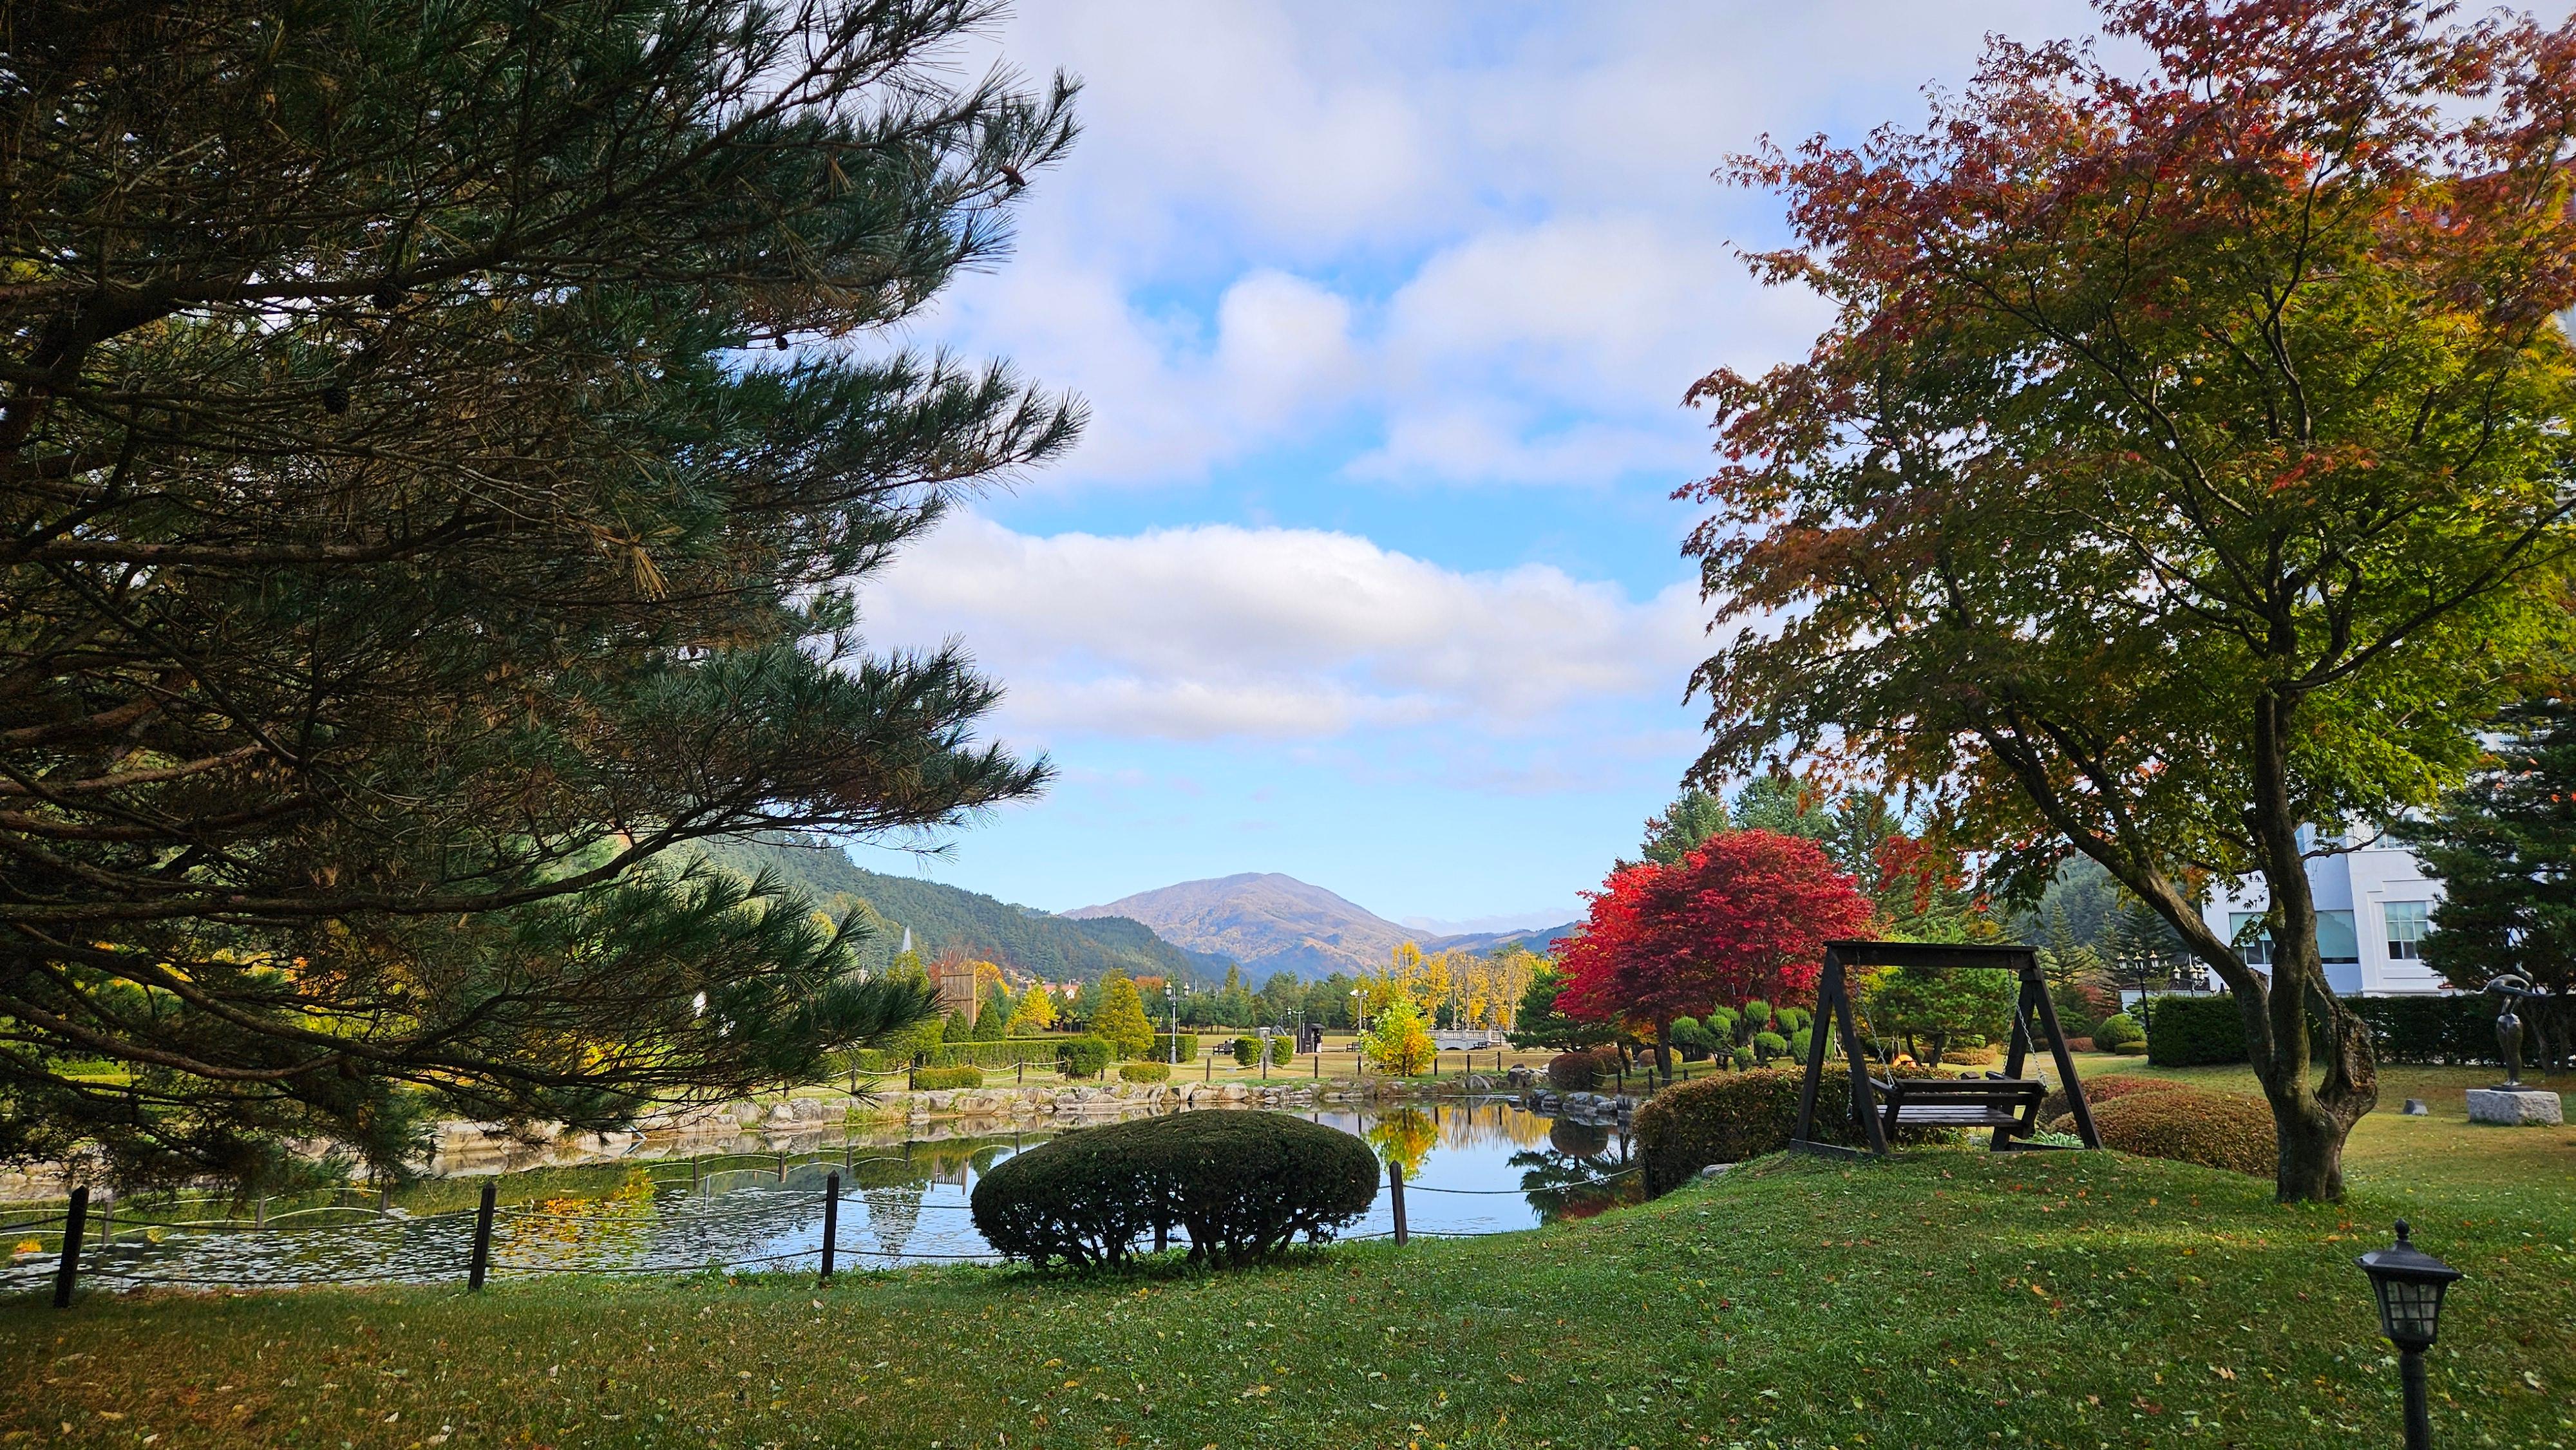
1470 1168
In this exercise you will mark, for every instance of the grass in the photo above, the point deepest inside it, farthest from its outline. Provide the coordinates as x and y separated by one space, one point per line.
1945 1299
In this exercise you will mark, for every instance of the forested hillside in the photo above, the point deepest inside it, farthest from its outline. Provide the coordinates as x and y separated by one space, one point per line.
948 920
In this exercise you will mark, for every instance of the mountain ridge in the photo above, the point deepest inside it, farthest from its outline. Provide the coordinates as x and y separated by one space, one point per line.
1273 922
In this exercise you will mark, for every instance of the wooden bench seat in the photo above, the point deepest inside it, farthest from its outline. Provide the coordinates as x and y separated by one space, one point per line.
1991 1101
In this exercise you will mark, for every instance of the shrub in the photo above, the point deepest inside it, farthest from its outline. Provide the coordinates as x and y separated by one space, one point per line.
2079 1044
1741 1058
931 1079
1788 1020
1082 1056
1757 1014
1008 1052
2192 1031
2131 1049
1247 1051
1801 1042
2214 1130
1573 1072
1169 1048
1282 1049
1691 1040
1743 1115
1243 1184
1608 1060
1969 1052
1145 1072
2118 1030
1768 1045
1721 1024
2109 1088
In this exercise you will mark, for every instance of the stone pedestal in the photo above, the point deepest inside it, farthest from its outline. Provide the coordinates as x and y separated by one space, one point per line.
2526 1108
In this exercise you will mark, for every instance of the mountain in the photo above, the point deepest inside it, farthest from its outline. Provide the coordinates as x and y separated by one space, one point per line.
1274 923
1536 939
948 920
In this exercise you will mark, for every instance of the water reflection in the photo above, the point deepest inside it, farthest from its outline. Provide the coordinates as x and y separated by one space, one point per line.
1470 1168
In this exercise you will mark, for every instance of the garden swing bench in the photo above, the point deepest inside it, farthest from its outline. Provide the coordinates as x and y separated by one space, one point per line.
2005 1102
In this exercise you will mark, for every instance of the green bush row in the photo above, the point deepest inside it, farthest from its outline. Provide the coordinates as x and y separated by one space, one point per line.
1741 1115
1145 1072
1162 1050
2459 1029
931 1079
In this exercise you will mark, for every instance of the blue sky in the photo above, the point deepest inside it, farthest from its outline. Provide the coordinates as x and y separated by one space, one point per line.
1367 569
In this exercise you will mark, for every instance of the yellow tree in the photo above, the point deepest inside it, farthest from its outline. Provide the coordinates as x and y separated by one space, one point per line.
1035 1014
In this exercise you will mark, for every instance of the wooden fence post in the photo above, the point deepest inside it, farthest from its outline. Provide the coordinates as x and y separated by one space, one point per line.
75 1218
259 1215
831 1221
782 1167
481 1261
1395 1190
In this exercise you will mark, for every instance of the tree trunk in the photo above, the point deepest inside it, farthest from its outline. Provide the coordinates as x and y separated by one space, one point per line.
1664 1049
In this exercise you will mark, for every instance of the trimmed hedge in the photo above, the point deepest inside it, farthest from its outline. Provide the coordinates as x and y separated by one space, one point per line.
1247 1051
2458 1030
2214 1130
1083 1056
2109 1088
1189 1047
1243 1184
2193 1031
2117 1031
1282 1049
1744 1115
932 1079
1573 1072
1145 1072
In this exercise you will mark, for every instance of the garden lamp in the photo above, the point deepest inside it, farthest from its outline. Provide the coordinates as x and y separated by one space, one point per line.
2409 1283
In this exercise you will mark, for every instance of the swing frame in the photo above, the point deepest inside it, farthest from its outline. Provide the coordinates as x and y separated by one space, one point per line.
1833 997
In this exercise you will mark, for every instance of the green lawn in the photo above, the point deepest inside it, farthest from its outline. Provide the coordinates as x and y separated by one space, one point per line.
1948 1299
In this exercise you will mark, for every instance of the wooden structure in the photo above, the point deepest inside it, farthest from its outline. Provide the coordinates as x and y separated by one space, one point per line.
2005 1103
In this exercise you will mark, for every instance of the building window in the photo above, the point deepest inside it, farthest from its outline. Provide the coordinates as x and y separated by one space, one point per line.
2245 932
2337 942
2407 923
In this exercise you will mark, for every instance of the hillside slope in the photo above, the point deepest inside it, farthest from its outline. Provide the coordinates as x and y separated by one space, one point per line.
951 920
1268 922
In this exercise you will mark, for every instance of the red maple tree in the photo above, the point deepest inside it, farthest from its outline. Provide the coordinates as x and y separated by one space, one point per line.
1744 915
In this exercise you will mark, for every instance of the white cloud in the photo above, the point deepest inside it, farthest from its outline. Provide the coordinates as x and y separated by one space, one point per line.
1218 631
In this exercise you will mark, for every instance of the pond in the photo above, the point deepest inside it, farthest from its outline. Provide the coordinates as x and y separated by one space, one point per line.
1475 1167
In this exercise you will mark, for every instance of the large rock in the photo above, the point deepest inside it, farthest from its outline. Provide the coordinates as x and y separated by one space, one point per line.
2525 1109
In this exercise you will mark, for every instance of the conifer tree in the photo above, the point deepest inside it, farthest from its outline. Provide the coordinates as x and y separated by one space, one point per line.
420 510
1120 1020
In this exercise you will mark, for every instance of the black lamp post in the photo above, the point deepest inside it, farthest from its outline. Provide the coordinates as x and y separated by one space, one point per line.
2409 1283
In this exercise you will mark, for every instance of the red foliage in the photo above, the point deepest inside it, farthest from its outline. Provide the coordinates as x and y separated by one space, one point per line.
1746 915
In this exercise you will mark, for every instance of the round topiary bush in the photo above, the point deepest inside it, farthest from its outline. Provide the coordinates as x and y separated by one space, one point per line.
2117 1031
1282 1049
1768 1045
1243 1185
2214 1130
2100 1090
932 1079
1573 1072
1145 1072
1247 1051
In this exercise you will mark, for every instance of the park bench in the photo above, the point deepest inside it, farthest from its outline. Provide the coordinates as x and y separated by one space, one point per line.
1990 1101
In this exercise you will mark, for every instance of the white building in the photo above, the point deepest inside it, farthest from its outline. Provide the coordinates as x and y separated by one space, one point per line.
2372 903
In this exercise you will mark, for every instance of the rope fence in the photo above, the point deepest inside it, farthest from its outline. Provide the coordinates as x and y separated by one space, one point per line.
71 1226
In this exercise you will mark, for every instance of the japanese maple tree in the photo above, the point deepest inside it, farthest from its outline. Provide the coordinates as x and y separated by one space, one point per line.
2185 465
1746 914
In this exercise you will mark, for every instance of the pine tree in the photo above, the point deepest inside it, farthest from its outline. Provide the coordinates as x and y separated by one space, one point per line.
419 520
2502 847
1693 817
1120 1020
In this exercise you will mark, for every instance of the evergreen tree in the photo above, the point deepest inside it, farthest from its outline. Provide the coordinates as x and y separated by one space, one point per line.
1120 1020
1693 817
2504 848
405 547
